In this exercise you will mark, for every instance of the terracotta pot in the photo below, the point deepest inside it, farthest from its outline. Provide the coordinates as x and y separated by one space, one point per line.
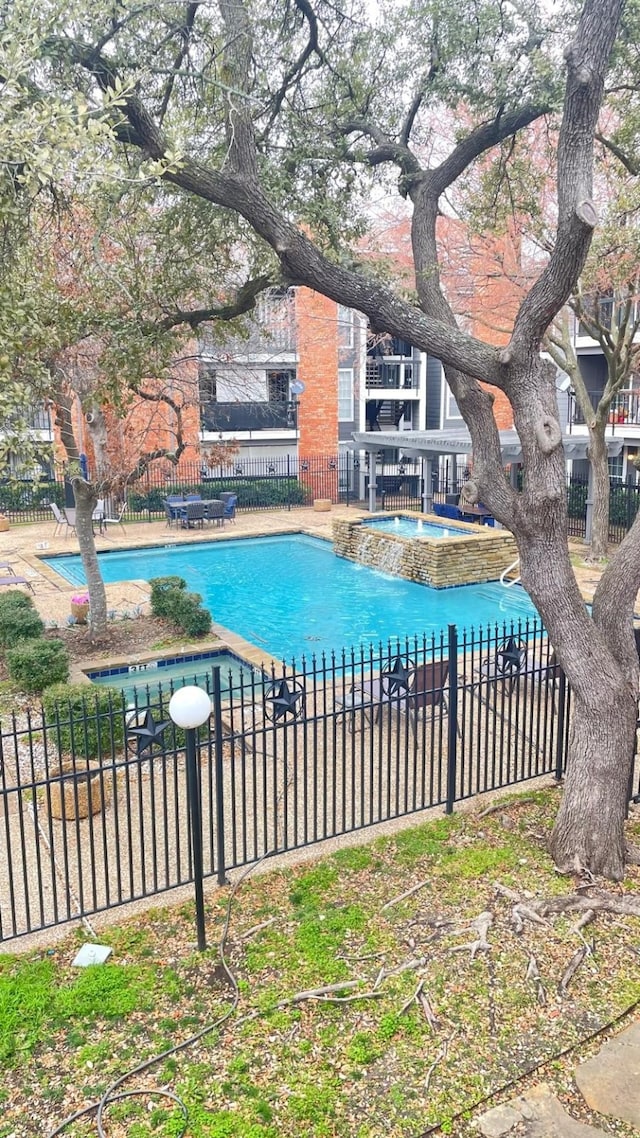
77 790
4 524
80 612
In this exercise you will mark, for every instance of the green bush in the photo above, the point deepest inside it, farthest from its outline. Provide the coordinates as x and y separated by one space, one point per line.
189 614
35 664
87 721
18 619
185 610
162 589
252 493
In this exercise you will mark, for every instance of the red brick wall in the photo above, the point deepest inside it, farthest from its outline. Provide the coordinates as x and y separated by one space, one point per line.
317 335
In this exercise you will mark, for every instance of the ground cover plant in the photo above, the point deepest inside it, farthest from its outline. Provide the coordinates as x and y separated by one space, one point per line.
421 1020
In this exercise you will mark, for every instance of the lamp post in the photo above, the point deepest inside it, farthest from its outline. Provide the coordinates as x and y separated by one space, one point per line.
189 708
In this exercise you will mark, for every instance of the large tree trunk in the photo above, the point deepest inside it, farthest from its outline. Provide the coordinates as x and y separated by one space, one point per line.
600 468
589 828
86 500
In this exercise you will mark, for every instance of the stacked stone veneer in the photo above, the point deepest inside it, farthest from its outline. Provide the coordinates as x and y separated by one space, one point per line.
480 553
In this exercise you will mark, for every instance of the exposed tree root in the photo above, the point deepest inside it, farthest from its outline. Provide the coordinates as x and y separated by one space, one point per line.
481 925
577 959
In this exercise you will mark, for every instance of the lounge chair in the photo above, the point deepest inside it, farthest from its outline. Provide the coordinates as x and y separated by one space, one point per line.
15 580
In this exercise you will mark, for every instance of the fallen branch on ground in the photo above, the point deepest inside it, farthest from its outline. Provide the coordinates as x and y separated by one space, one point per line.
257 928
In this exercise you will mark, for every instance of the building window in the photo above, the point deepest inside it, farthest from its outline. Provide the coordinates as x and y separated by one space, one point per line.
278 386
345 394
453 411
207 380
616 468
345 327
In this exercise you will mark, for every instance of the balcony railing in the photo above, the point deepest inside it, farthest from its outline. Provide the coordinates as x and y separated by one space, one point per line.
396 375
624 411
249 416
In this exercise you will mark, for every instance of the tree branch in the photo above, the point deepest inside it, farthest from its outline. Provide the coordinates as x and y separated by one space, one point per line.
631 166
185 32
587 59
245 300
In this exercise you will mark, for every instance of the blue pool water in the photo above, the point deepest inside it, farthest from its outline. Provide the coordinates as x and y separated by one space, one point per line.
292 596
413 527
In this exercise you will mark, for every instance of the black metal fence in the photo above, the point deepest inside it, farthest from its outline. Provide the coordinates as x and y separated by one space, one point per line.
287 482
93 797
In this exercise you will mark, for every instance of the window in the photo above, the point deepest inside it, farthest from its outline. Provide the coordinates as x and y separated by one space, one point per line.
345 327
208 381
278 386
453 411
616 468
345 394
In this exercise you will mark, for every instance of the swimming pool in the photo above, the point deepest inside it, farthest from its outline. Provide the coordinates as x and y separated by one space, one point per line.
413 527
292 596
143 682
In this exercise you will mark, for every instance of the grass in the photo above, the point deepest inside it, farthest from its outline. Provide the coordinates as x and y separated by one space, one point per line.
359 1069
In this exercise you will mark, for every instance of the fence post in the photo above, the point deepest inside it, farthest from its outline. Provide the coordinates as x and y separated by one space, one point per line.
219 774
288 481
452 735
562 701
148 495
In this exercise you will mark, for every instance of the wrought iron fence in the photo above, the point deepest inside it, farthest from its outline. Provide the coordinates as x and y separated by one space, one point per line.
93 795
624 503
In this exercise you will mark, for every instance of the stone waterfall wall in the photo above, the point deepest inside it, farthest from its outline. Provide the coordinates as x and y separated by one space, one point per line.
480 553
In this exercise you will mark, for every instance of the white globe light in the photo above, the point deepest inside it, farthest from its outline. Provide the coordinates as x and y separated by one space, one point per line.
190 707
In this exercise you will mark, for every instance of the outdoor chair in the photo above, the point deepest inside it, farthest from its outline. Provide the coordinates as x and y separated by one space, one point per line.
192 514
62 522
441 510
70 515
214 511
229 502
172 506
13 579
507 664
424 688
117 521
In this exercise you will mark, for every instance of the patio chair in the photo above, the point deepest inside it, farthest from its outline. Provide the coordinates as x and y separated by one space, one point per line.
70 515
214 511
118 521
424 688
229 502
172 506
192 514
441 510
62 522
507 663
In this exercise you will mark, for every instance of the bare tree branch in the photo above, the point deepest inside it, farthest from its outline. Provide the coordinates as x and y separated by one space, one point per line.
587 59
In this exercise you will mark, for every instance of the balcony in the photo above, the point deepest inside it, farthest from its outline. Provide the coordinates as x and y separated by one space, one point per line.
396 375
624 412
233 417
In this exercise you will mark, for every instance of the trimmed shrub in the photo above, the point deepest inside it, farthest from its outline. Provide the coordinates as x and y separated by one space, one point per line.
18 619
84 720
189 614
185 610
35 664
162 589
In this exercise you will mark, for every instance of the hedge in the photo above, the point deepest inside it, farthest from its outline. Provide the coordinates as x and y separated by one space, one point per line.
35 664
252 493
